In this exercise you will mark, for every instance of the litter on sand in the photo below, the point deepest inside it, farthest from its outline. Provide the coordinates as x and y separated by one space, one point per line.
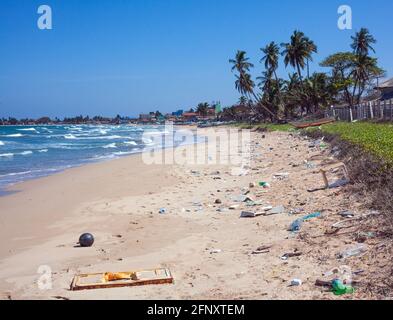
121 279
297 224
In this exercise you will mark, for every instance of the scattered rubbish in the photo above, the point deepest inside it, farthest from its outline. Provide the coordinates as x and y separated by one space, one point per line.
234 207
343 273
362 237
223 210
162 211
312 216
86 240
339 288
346 214
297 224
252 185
248 214
276 210
339 183
296 283
296 211
352 252
218 201
121 279
262 250
291 255
309 165
214 251
242 198
253 203
281 176
264 184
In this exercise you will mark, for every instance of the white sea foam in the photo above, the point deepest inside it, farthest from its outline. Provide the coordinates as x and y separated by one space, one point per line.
1 143
6 155
132 143
28 129
43 151
26 153
70 136
110 146
16 135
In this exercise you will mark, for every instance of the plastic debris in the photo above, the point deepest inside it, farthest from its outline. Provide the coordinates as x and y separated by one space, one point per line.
352 252
264 184
297 224
248 214
339 288
286 256
296 283
347 214
162 211
276 210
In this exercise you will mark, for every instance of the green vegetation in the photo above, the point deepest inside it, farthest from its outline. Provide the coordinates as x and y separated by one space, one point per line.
267 126
351 76
373 137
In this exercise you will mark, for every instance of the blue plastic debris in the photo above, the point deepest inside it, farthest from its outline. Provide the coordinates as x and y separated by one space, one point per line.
297 224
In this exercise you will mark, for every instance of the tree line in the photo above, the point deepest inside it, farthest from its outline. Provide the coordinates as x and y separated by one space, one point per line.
351 76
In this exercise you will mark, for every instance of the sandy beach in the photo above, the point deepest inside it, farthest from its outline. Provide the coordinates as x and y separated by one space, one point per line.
201 238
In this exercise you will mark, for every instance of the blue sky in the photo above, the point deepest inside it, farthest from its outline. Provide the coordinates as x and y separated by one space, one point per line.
131 56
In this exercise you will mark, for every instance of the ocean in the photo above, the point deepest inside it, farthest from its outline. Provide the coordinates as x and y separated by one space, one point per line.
28 152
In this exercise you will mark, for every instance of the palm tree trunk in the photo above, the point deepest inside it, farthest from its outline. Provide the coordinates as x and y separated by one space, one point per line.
257 101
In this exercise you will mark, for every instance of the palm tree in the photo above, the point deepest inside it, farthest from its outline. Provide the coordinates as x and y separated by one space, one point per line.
270 58
362 42
311 48
244 83
296 52
240 63
203 108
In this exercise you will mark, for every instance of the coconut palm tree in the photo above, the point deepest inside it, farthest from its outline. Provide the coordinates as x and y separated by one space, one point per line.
203 108
311 48
240 63
244 83
296 52
362 42
272 52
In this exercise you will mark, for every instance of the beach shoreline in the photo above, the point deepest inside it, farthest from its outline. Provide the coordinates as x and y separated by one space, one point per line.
204 243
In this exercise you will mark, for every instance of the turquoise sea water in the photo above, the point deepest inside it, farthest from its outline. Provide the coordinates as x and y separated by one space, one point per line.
28 152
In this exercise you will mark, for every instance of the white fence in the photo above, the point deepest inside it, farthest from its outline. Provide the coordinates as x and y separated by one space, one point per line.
379 110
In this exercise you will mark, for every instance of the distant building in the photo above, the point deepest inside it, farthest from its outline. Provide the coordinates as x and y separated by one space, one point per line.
190 116
178 113
386 90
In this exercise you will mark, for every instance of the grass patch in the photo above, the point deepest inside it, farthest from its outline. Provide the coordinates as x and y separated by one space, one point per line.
376 138
266 126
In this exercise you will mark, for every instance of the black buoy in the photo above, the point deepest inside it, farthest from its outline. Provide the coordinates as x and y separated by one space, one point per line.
86 240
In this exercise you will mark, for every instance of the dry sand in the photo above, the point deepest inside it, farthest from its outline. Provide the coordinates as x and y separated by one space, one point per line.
209 252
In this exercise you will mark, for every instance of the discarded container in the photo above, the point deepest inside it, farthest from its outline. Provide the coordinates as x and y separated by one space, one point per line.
264 184
162 211
296 283
352 252
86 240
297 224
339 288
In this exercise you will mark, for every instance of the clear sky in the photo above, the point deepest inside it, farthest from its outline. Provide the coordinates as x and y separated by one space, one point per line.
131 56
